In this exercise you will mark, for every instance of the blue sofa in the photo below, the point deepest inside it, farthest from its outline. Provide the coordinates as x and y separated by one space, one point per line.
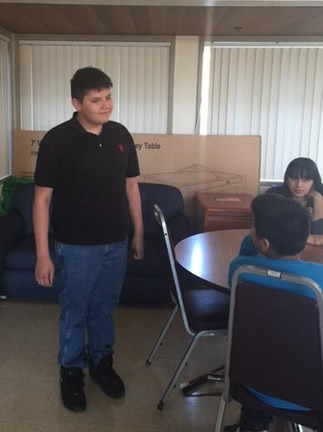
146 281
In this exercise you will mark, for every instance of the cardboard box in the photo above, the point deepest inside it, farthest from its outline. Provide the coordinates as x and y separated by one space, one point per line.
25 150
192 163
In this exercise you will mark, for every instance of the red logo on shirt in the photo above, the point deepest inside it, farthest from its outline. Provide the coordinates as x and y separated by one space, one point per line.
121 148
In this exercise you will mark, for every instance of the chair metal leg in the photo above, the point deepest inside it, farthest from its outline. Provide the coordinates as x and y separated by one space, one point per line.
162 334
297 428
219 419
215 375
177 372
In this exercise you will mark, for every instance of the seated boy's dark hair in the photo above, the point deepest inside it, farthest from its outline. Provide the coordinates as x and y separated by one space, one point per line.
88 78
283 221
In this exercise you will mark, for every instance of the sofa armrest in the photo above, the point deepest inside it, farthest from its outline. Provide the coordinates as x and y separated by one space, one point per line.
179 227
12 230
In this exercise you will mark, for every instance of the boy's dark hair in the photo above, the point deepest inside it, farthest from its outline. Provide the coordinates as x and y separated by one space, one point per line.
88 78
306 169
282 221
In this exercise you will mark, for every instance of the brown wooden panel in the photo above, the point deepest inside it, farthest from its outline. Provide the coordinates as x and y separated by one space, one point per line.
161 20
14 19
116 20
224 222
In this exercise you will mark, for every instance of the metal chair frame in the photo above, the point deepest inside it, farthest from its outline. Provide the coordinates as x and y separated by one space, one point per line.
179 305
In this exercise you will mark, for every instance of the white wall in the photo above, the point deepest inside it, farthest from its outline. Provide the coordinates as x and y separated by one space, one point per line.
185 84
5 107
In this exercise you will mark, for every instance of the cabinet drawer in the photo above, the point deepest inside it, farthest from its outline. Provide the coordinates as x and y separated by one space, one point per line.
225 221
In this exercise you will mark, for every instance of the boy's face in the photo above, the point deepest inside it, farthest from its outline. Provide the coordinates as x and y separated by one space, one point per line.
96 107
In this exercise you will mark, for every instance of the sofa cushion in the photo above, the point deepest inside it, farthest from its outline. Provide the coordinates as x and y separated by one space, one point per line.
153 263
22 256
22 201
169 199
22 285
145 291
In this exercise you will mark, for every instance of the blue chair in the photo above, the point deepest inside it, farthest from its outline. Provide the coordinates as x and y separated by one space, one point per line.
275 345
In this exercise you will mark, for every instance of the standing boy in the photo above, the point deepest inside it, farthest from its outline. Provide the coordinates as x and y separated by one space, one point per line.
278 235
88 167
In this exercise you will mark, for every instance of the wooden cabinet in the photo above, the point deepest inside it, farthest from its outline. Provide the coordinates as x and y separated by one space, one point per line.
219 211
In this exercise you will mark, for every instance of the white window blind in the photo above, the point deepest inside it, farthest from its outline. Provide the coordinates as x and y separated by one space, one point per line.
139 72
275 92
5 110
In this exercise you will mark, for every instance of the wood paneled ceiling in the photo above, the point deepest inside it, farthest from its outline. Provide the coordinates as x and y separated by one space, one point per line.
162 20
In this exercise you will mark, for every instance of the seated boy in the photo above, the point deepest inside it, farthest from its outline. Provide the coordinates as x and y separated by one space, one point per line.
278 235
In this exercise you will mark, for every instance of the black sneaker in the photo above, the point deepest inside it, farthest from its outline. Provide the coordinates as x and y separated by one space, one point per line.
107 378
72 383
236 428
232 428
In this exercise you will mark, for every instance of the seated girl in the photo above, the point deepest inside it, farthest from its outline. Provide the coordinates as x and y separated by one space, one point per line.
302 181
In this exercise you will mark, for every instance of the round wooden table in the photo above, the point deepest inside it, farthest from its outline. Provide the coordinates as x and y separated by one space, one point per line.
208 255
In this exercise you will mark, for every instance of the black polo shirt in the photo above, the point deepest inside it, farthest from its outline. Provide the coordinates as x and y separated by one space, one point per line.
88 175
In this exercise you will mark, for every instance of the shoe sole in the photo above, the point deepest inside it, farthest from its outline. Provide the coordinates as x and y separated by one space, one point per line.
76 409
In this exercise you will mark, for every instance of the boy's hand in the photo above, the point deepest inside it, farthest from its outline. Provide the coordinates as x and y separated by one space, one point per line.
44 271
137 246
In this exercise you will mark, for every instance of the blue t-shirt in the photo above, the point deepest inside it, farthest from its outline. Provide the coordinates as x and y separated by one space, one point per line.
249 255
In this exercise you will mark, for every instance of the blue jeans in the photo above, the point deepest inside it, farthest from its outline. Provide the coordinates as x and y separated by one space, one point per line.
92 281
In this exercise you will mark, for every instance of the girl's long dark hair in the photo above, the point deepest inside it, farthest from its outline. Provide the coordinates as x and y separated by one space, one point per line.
304 168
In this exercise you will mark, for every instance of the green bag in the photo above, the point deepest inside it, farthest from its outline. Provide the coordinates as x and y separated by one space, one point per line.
9 185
